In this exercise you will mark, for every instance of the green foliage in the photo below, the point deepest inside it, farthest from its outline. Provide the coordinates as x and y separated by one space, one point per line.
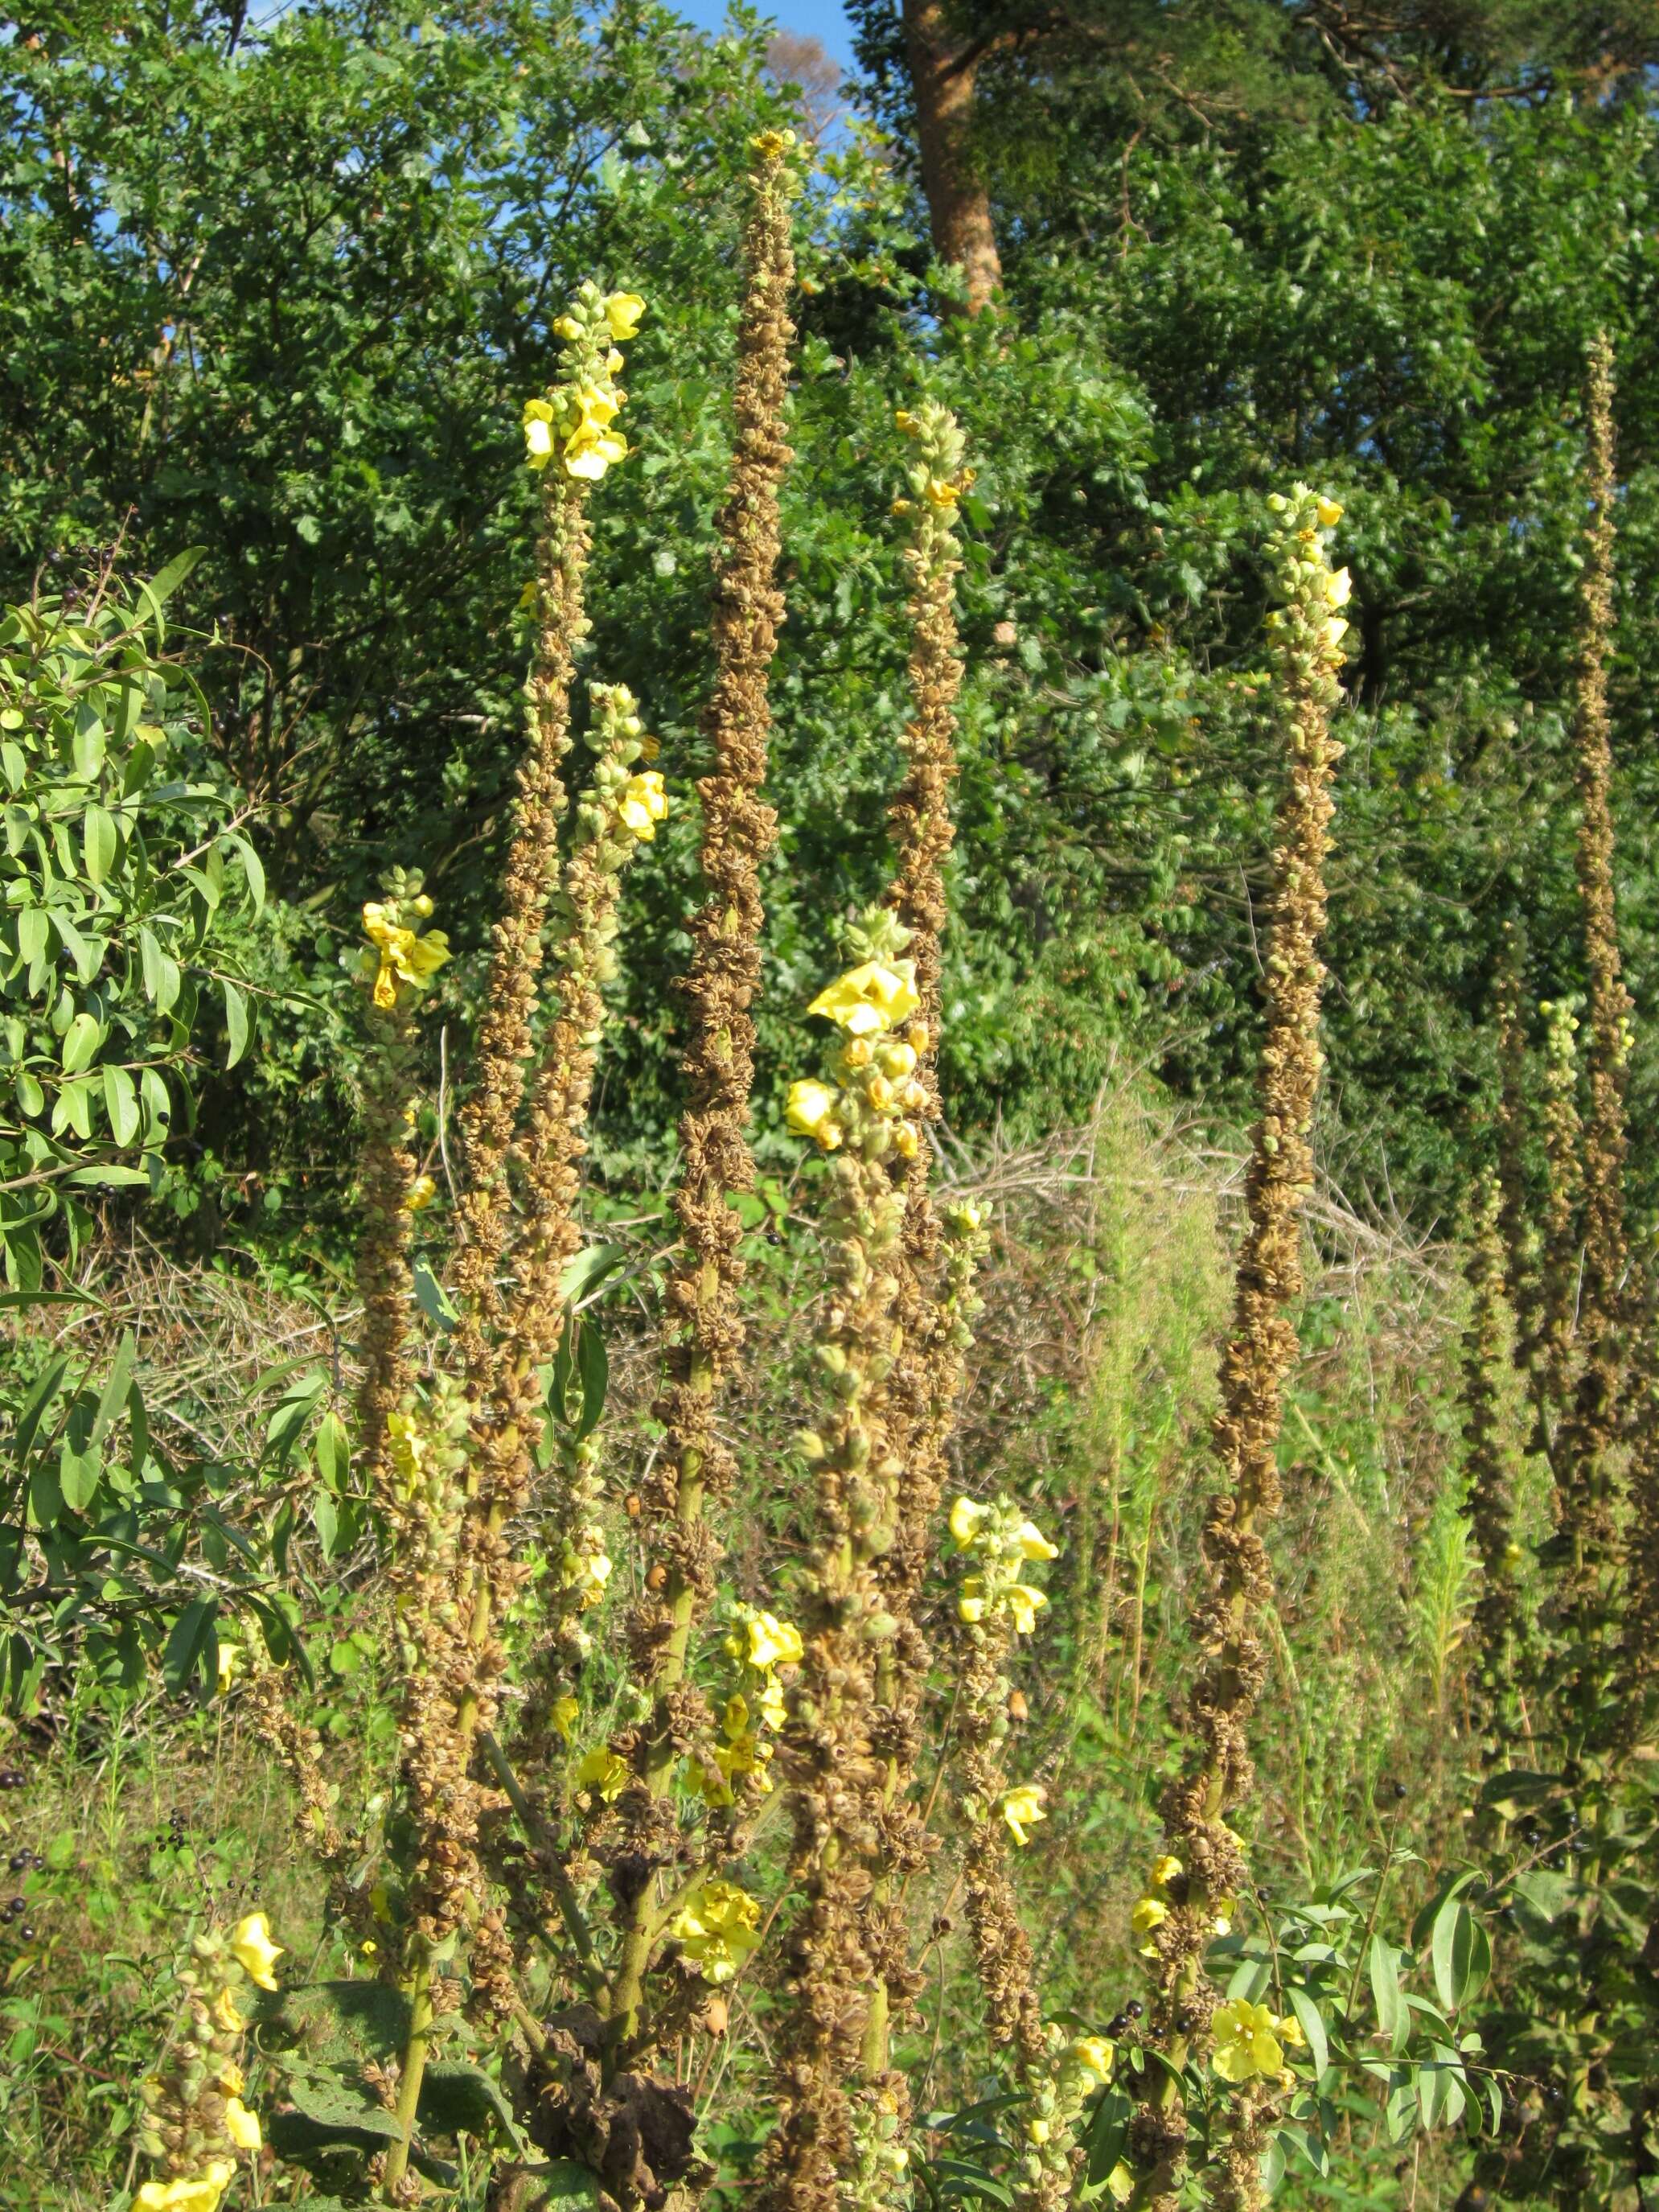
118 857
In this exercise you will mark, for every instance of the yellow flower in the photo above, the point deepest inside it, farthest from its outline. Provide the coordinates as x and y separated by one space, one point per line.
1224 1909
230 1666
1339 589
1094 2054
1023 1806
198 2192
1033 1544
537 439
250 1940
941 492
1148 1912
404 957
242 2126
971 1606
772 145
586 1572
563 1717
772 1711
643 803
898 1059
225 2014
1037 2130
1024 1603
420 1194
1290 2033
1165 1870
772 1642
1245 2043
231 2079
602 1771
622 311
966 1521
811 1112
872 997
1328 512
718 1929
589 453
1333 630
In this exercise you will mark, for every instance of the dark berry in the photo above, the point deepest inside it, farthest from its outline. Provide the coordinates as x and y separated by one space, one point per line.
20 1862
1116 2024
1186 2021
1134 2008
13 1778
26 1933
1399 1793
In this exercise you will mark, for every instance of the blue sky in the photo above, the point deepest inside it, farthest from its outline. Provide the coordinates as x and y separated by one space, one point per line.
817 19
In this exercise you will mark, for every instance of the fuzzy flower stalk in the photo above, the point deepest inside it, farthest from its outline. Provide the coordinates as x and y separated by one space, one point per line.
845 1836
195 2124
1306 631
694 1467
400 958
998 1604
1488 1459
1590 1497
1517 1233
1553 1346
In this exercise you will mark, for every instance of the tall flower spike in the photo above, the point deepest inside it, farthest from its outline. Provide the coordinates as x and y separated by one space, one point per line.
1306 631
1488 1458
738 832
1515 1230
936 1300
1590 1430
998 1604
1553 1347
571 428
829 1752
194 2122
399 957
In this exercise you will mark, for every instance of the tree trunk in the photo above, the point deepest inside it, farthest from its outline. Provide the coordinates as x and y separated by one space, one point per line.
958 206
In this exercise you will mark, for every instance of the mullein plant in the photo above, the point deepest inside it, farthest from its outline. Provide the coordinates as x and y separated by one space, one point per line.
860 1116
1490 1471
1554 1350
1190 1897
693 1470
1589 1429
1054 2074
1515 1228
195 2124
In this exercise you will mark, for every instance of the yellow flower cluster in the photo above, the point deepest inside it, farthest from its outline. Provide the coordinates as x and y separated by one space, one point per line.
398 959
1309 624
763 1644
937 477
1153 1909
199 2105
1002 1540
575 421
1249 2039
878 1091
604 1770
717 1931
1059 2091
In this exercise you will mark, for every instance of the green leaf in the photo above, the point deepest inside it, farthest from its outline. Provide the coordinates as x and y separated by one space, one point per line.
347 2113
121 1103
593 1368
80 1041
107 1175
1460 1952
459 2098
112 1403
1392 2015
333 1449
584 1274
1109 2131
37 1405
252 866
432 1298
78 1477
236 1023
1312 2024
101 842
185 1643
